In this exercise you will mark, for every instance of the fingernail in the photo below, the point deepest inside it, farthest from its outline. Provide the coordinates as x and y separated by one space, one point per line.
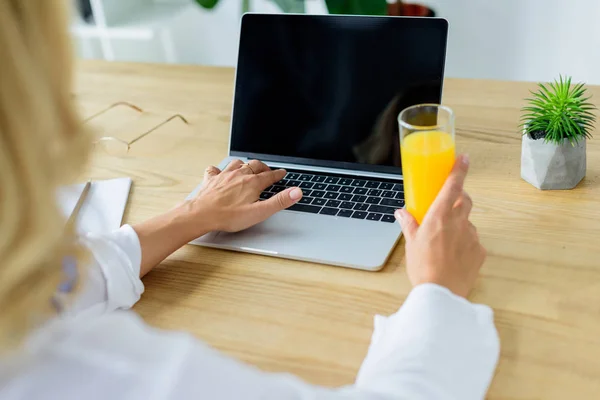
295 194
465 160
398 215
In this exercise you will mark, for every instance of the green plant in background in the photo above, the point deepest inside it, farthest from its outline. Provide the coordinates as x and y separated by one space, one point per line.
207 3
358 7
559 111
287 6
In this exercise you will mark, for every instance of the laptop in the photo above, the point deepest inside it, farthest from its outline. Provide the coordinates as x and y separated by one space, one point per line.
320 97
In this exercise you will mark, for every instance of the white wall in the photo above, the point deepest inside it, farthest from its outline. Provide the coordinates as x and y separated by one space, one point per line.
211 37
532 40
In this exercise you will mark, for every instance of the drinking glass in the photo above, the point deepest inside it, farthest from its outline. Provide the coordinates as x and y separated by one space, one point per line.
428 153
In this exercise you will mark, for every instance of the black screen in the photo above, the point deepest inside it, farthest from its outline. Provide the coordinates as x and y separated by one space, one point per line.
327 90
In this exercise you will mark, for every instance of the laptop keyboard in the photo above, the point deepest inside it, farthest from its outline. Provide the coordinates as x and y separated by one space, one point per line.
342 196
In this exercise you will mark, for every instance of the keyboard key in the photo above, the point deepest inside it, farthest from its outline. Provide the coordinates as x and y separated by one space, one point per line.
305 200
388 218
359 199
359 215
293 183
392 203
345 213
306 193
266 195
345 196
277 189
389 194
398 187
386 186
360 191
282 182
358 183
373 200
306 185
305 208
374 217
361 207
382 209
319 202
347 204
329 211
320 186
331 195
373 192
331 179
305 178
318 193
333 203
345 181
372 184
318 178
333 188
292 176
346 189
399 195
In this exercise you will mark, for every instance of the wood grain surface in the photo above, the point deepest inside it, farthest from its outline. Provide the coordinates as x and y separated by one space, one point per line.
542 276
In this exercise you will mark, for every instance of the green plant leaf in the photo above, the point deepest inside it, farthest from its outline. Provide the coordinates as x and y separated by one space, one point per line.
561 109
357 7
207 3
291 6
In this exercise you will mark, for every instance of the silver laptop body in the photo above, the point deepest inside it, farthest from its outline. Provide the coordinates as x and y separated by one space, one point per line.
349 240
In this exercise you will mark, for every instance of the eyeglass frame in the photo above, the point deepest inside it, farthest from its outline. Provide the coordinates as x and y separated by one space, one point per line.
139 110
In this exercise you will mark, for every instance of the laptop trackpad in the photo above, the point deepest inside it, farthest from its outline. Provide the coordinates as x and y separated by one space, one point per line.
332 240
277 234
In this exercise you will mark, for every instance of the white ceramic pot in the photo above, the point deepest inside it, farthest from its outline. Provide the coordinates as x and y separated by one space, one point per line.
551 166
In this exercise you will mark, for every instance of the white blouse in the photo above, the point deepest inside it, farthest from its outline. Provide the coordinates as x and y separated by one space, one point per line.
436 346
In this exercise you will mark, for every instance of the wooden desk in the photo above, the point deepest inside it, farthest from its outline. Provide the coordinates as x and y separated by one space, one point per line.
542 276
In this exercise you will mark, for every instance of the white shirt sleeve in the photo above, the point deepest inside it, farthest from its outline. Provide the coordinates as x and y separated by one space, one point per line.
437 346
112 280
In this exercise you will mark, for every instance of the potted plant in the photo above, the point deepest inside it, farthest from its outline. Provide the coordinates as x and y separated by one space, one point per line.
556 124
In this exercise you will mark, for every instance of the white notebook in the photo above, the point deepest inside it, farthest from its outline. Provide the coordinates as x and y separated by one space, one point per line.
104 206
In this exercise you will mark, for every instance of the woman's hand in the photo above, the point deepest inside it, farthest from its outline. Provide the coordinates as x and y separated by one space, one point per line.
445 249
228 202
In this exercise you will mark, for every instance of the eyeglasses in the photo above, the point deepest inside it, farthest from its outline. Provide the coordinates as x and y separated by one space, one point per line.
118 147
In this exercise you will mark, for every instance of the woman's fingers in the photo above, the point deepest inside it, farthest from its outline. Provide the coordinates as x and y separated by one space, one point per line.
464 205
211 171
258 167
268 178
408 223
453 187
473 230
235 164
281 201
252 167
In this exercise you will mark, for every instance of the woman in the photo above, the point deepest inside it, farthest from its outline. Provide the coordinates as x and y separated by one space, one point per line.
64 331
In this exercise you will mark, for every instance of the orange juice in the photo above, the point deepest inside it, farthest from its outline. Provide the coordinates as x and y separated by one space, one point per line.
427 159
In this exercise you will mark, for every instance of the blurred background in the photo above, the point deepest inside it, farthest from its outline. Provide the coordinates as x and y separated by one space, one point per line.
526 40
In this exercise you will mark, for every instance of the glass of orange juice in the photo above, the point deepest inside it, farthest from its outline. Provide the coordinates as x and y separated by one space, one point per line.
428 152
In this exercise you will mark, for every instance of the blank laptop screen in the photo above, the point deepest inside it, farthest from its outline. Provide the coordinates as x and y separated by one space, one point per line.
327 90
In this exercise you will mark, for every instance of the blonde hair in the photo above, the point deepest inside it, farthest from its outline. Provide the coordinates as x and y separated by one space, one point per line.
41 147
